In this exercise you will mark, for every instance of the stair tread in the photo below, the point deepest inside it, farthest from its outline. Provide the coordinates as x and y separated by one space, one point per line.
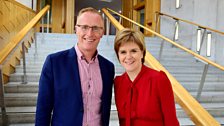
26 109
19 95
178 107
182 121
20 84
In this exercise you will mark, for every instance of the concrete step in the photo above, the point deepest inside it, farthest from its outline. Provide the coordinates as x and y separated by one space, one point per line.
23 124
15 92
18 87
206 97
167 64
28 113
182 117
20 99
34 77
208 86
182 121
190 70
31 77
31 87
30 59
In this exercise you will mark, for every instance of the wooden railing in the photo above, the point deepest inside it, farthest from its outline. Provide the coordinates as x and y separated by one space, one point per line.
194 110
18 37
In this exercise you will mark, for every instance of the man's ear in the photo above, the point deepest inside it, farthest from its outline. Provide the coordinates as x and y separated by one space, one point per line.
102 33
75 29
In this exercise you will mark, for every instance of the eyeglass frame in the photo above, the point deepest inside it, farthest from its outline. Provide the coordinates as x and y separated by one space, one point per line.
85 28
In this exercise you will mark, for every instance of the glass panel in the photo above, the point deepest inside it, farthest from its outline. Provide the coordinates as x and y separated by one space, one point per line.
142 19
140 1
42 5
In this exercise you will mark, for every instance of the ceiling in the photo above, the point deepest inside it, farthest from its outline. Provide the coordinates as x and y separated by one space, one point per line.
98 4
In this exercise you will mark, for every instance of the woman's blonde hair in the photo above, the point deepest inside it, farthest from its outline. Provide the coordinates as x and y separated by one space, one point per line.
129 35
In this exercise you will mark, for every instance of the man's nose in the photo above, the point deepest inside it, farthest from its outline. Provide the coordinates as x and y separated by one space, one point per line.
90 31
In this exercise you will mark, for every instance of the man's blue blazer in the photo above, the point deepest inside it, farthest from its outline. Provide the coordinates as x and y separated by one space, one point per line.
60 100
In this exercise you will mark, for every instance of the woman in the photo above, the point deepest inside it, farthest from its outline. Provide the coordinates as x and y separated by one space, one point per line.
143 96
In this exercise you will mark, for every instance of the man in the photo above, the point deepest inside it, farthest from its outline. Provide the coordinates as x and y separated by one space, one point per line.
75 87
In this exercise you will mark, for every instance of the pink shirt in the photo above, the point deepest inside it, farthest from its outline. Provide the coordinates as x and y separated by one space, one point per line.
91 83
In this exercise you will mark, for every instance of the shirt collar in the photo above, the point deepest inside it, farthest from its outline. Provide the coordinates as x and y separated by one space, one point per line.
143 69
82 57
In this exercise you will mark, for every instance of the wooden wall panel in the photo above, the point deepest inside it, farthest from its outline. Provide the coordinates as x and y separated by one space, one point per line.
69 17
57 21
151 6
1 11
135 14
148 15
127 5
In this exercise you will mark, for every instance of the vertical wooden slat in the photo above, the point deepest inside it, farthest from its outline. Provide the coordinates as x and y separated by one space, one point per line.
69 21
127 5
57 16
151 6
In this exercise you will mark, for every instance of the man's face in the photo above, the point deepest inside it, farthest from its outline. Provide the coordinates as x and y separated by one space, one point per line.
89 29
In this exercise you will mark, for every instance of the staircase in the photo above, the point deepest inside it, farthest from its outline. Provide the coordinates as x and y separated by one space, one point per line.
21 98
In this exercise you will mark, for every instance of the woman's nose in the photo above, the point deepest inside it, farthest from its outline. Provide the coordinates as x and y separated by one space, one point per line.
128 55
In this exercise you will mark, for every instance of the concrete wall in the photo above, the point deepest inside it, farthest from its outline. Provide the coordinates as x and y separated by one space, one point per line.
28 3
220 38
208 13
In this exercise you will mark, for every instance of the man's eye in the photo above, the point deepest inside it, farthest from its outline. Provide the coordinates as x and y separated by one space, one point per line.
85 27
95 28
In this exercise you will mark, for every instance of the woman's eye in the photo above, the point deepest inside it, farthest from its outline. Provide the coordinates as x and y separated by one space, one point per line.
134 50
122 52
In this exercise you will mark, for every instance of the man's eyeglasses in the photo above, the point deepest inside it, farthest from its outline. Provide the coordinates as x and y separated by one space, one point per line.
86 28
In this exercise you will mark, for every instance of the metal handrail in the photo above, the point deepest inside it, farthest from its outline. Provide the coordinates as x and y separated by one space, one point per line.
189 22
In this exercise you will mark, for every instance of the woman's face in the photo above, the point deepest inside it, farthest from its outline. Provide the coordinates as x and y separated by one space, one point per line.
130 57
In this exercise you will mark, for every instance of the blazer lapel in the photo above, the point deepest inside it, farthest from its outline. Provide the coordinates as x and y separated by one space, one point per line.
74 66
104 74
